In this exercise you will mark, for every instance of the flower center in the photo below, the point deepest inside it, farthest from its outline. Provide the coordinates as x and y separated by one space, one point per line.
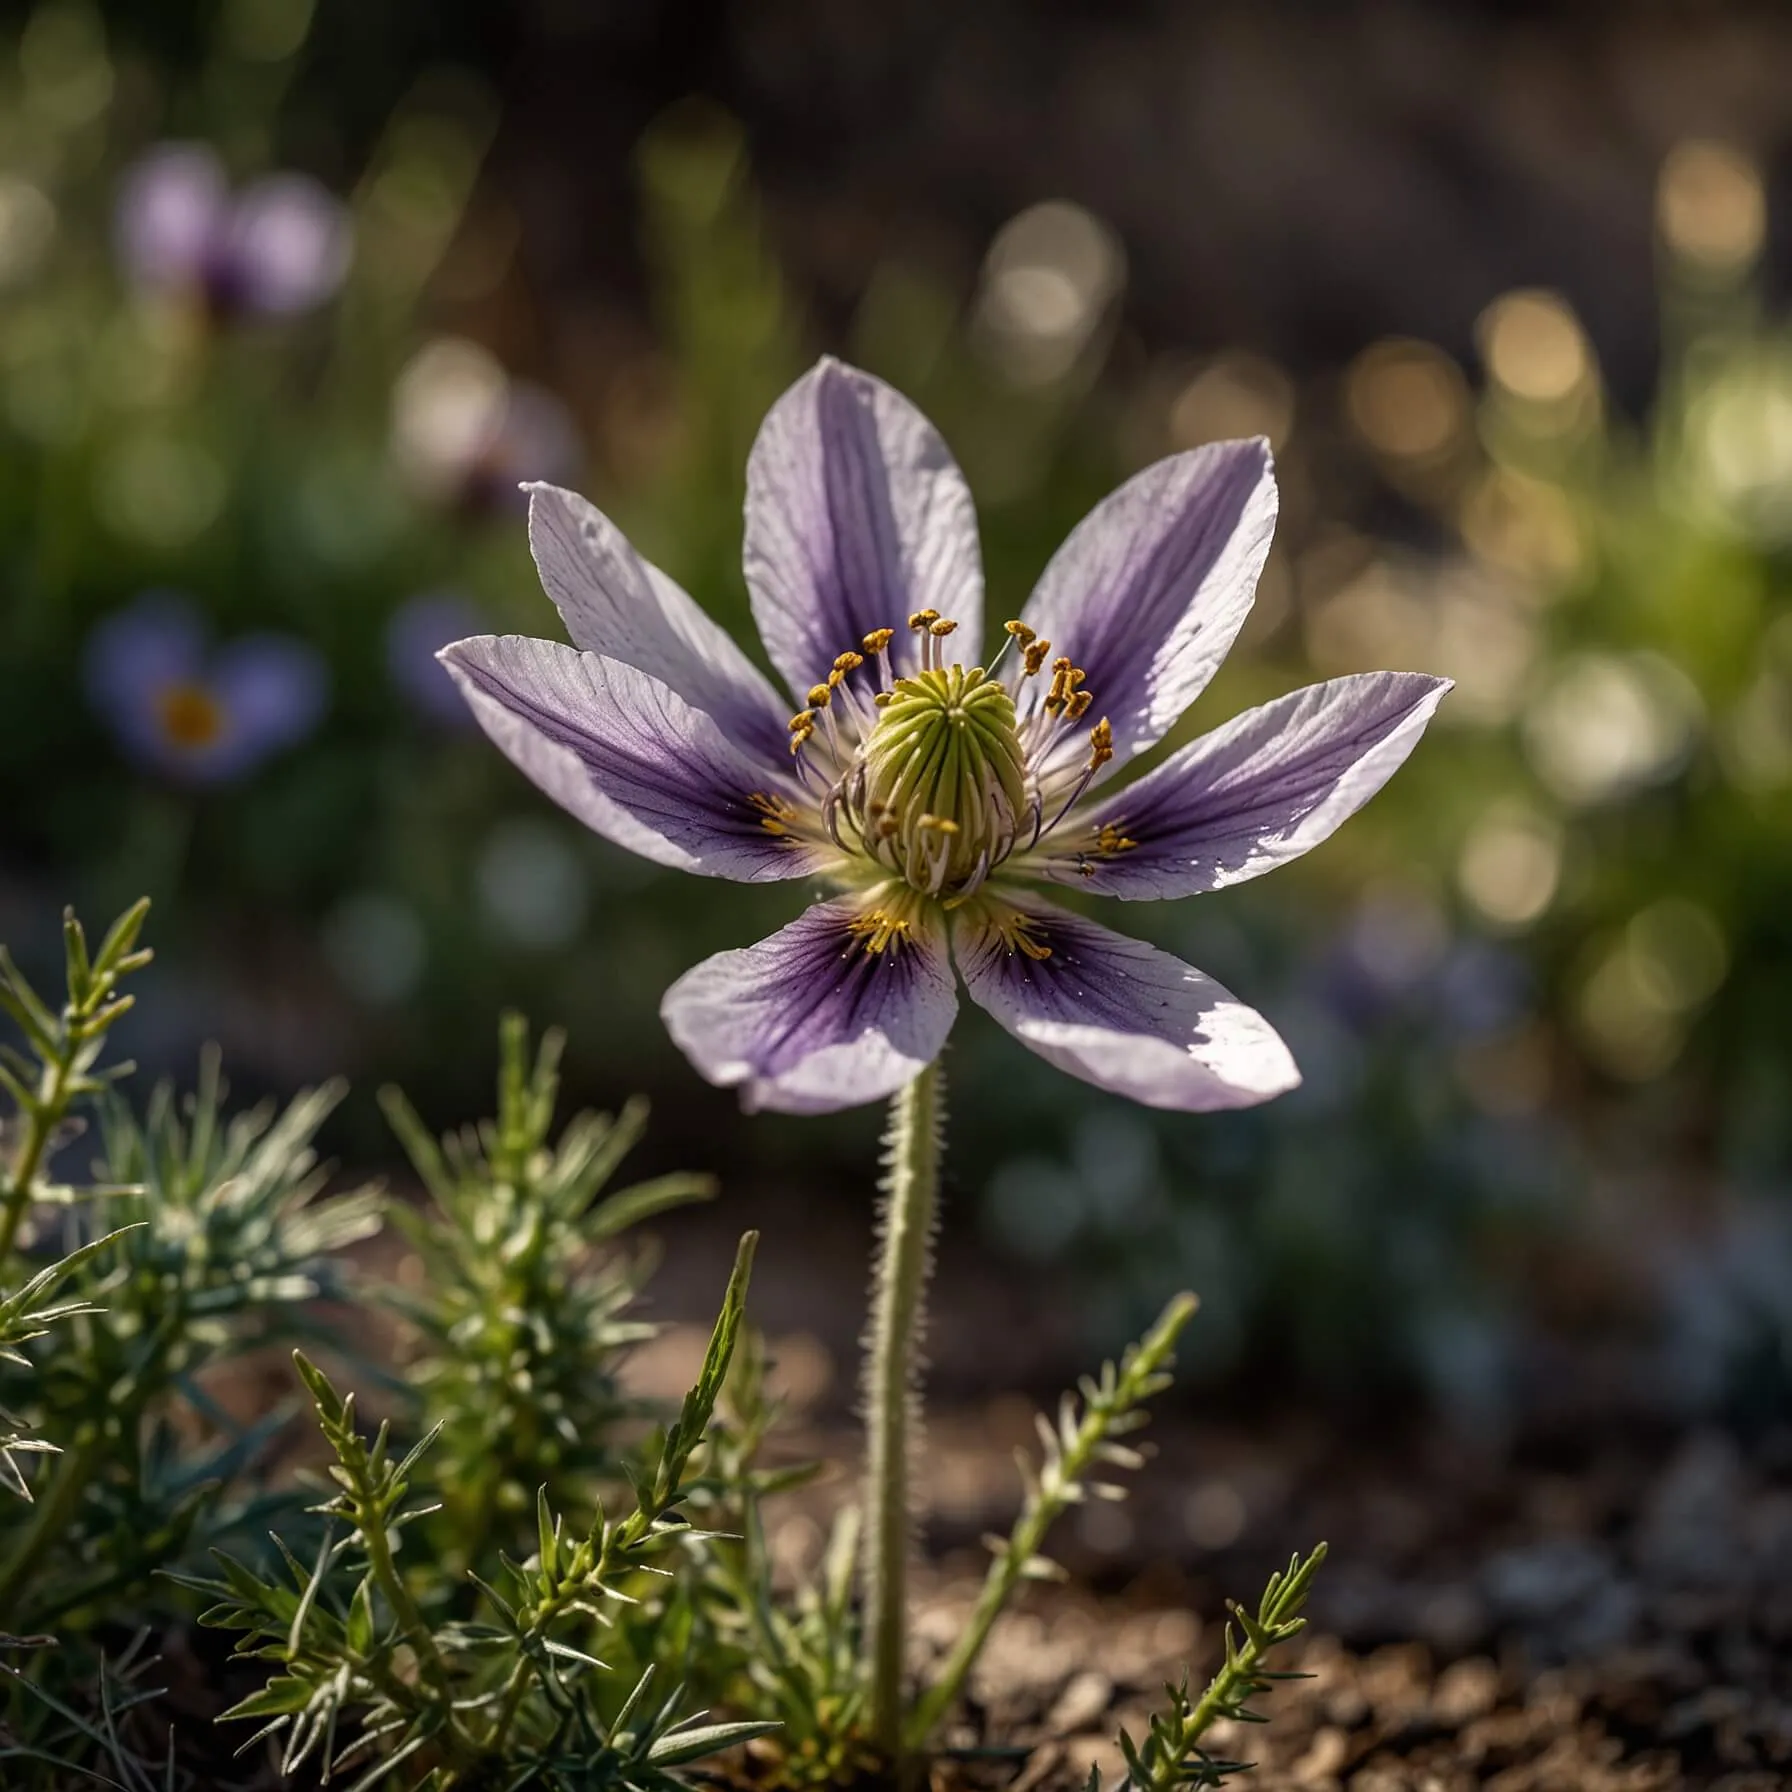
190 715
935 776
942 788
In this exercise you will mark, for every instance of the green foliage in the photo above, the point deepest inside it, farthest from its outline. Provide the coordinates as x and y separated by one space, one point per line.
1171 1754
799 1655
520 1314
429 1625
60 1064
510 1697
26 1314
58 1745
793 1655
204 1236
1084 1441
224 1247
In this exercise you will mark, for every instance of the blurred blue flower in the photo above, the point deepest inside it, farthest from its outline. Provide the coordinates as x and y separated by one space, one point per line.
277 246
195 714
417 631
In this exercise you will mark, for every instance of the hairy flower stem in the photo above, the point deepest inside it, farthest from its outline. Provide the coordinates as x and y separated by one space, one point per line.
892 1404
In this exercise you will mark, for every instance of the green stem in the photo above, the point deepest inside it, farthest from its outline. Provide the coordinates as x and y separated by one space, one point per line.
40 1122
411 1622
49 1516
911 1200
1106 1409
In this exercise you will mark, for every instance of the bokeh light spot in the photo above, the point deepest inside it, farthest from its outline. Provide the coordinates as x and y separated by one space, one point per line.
1711 205
1535 347
1407 399
1511 865
532 887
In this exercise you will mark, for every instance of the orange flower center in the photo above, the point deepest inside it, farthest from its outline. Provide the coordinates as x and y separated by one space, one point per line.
190 715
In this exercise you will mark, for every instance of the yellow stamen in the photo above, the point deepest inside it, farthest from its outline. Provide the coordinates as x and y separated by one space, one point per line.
1019 630
1017 932
940 630
888 922
1078 706
921 619
878 930
820 696
877 641
849 662
1034 656
1101 744
776 814
803 721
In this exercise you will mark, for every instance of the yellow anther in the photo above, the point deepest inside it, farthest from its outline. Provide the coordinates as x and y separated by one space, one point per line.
820 696
1063 663
849 662
1101 744
1017 932
1035 655
776 814
1110 842
1078 706
802 722
921 619
878 930
836 679
939 630
1019 630
878 640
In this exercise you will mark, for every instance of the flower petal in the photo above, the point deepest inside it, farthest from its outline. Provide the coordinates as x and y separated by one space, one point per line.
1264 788
614 603
629 757
1116 1012
810 1019
857 516
1149 591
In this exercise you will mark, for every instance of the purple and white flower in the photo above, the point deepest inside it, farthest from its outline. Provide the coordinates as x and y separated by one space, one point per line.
278 246
200 715
936 790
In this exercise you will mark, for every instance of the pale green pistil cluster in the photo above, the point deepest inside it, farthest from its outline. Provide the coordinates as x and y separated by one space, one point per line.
941 793
934 779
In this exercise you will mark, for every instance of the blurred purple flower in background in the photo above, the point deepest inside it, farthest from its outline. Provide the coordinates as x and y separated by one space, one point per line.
202 716
418 630
465 433
277 246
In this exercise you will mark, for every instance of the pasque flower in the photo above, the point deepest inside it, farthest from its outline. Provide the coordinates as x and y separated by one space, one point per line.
938 786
